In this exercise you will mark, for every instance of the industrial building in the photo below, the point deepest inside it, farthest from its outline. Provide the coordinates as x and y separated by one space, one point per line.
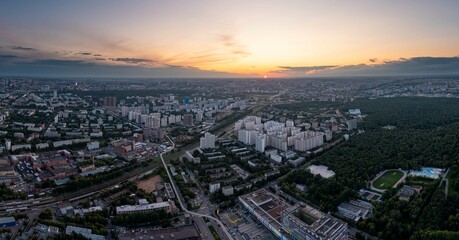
142 208
7 222
299 221
356 209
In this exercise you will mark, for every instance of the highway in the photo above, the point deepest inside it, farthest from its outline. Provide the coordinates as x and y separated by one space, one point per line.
182 205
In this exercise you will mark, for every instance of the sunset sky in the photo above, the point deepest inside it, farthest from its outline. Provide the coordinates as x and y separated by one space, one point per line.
228 38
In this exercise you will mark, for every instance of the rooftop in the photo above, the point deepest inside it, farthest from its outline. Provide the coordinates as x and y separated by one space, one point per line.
321 170
151 206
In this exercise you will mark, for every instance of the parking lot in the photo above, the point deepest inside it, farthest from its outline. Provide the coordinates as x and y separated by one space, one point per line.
243 226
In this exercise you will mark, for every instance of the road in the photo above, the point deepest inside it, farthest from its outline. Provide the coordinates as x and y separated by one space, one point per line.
279 94
97 188
203 229
182 205
445 178
341 114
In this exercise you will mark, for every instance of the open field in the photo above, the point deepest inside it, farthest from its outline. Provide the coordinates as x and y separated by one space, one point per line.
149 185
452 185
388 179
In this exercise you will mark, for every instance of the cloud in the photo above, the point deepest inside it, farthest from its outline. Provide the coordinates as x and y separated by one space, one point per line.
88 54
65 52
6 57
401 66
80 68
304 69
133 60
300 71
23 48
99 59
235 46
84 53
59 63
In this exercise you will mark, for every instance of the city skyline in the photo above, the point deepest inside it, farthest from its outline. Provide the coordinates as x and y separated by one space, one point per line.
223 39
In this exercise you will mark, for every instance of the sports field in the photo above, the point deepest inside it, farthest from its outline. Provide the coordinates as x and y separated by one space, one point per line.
388 179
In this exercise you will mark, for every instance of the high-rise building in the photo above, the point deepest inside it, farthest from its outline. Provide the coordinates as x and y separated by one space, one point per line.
153 122
171 119
314 124
124 111
8 144
351 124
164 121
214 187
260 143
188 119
178 118
208 141
110 101
199 116
305 141
243 136
277 142
328 135
247 137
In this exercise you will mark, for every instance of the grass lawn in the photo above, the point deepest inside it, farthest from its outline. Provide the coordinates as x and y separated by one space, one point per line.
452 179
388 179
423 181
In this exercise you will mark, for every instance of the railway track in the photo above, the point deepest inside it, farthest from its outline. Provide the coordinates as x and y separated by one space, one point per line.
18 206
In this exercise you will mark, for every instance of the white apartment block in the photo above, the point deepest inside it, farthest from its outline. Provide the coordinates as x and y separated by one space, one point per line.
260 143
278 135
208 141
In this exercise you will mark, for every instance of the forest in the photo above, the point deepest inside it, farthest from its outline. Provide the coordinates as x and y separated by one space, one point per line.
425 135
406 112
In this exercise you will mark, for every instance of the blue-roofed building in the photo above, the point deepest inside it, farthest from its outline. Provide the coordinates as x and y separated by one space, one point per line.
7 222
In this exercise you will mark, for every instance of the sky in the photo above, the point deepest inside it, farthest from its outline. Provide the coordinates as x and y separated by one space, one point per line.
216 38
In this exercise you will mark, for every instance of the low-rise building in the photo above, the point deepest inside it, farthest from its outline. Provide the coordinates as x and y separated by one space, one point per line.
321 170
239 171
299 221
407 192
356 209
127 209
7 221
85 232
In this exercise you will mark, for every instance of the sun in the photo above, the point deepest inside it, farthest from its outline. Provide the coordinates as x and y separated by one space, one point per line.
265 76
